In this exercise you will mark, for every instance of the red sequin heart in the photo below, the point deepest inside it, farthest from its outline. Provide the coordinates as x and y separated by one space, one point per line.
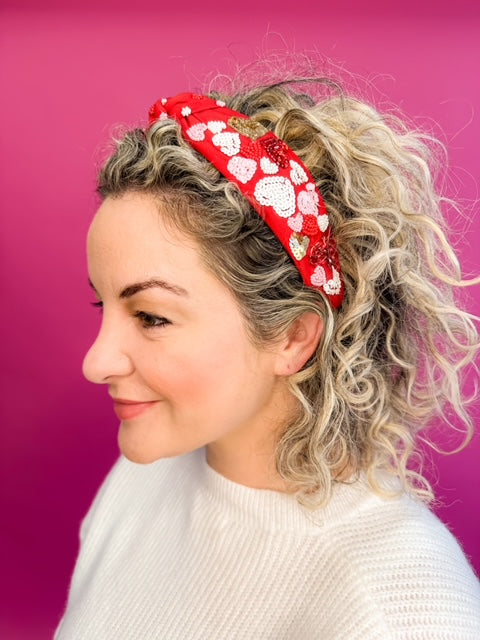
276 150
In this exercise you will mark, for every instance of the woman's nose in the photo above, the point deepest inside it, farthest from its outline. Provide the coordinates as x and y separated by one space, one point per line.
107 357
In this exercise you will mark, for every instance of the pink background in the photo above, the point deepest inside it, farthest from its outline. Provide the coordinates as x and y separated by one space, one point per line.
67 75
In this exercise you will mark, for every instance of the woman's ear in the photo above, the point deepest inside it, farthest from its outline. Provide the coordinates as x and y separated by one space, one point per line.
299 343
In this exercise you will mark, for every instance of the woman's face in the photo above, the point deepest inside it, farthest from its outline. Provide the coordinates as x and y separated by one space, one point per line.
172 346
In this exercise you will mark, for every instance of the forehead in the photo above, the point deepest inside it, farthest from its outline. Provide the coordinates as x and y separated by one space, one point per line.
135 219
129 241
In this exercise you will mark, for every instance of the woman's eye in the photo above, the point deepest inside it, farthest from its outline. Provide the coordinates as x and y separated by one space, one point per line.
151 322
148 320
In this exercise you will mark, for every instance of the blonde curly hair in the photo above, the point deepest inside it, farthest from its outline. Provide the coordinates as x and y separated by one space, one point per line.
390 360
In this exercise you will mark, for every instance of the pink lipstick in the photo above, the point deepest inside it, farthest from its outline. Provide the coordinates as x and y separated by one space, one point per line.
129 409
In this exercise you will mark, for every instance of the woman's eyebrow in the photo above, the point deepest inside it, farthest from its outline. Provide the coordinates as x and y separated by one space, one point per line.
132 289
135 288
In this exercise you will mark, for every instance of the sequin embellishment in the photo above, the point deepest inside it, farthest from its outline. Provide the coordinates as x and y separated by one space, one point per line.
278 193
272 177
228 143
299 245
242 168
250 128
276 150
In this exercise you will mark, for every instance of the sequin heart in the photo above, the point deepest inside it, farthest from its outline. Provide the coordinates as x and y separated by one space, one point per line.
247 127
197 132
297 174
242 168
295 222
299 245
215 126
310 225
334 285
307 202
268 166
276 192
318 277
229 143
276 150
323 222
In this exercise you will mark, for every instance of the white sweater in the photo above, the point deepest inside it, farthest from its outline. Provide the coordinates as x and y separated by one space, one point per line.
175 551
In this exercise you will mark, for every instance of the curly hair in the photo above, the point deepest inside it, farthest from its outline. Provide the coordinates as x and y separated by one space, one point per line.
390 360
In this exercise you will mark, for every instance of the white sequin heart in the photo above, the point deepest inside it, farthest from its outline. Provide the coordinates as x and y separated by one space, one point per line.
268 166
197 132
299 245
318 277
333 286
242 168
228 142
215 126
307 202
323 222
297 174
295 222
276 192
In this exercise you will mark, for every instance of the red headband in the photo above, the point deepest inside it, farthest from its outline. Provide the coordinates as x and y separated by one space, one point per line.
270 175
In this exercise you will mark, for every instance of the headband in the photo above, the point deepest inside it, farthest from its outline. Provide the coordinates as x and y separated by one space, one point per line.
270 175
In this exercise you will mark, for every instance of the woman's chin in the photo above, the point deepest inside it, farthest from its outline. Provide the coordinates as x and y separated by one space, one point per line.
135 449
142 451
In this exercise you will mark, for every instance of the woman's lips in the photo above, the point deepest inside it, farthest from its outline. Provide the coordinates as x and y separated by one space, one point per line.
129 409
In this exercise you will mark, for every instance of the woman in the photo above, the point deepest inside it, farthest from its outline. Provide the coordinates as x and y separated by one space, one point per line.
279 328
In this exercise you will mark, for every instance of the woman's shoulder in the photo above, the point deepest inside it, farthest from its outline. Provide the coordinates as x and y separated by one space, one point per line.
401 561
401 532
403 527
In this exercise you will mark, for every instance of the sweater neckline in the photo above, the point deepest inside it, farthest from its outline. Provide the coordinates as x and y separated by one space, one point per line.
274 510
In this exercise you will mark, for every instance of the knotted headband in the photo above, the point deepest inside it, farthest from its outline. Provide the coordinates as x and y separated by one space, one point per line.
270 175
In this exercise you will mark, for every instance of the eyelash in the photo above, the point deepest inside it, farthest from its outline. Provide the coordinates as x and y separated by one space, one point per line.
148 320
151 322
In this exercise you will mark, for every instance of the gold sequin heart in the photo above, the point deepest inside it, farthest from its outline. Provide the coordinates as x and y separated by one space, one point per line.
249 128
299 245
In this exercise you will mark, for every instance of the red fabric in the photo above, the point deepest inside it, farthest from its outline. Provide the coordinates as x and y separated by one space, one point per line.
270 175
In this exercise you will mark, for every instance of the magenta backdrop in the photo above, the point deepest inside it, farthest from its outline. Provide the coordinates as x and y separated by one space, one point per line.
67 75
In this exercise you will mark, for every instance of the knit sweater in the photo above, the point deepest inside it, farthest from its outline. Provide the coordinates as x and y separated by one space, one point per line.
173 551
